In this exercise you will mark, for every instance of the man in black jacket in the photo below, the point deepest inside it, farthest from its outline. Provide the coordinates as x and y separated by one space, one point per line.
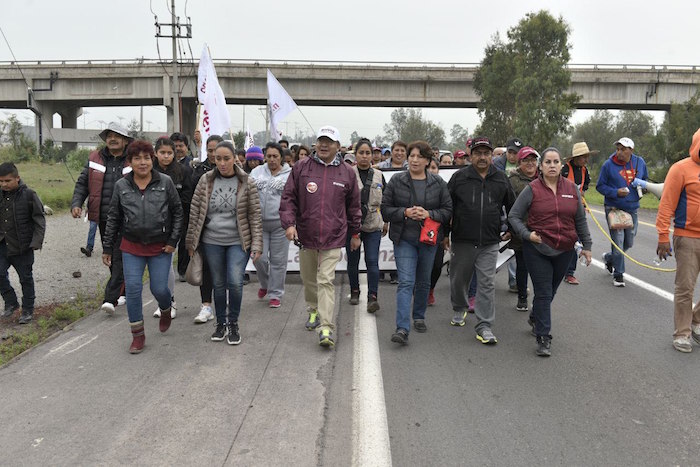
479 193
96 184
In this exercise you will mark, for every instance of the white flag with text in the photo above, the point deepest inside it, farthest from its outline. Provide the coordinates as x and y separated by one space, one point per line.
215 117
249 142
280 105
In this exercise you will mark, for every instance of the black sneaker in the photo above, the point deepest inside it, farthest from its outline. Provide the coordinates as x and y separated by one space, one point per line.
608 263
234 337
522 304
246 279
394 278
25 317
86 251
618 280
220 333
544 346
400 337
531 322
419 325
372 304
9 311
354 297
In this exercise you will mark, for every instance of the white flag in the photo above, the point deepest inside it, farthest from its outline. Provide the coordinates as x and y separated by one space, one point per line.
280 105
249 142
215 117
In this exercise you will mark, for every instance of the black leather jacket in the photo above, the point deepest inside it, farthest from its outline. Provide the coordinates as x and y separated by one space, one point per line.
152 217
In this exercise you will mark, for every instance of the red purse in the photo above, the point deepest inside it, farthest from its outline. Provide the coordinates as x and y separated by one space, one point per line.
429 231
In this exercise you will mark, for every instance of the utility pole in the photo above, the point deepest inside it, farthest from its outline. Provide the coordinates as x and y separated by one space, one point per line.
176 33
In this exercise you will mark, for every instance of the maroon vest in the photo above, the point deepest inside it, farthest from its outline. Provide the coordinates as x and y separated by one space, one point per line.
96 177
554 216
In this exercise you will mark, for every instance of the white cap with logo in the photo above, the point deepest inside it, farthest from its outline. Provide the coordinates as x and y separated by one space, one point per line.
329 132
626 142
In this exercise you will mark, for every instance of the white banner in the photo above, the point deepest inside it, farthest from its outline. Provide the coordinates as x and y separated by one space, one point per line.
249 142
280 105
386 246
215 117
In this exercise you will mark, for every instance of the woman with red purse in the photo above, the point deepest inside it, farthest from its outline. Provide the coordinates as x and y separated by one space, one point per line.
415 202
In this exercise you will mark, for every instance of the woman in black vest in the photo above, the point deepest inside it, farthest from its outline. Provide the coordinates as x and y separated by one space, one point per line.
373 228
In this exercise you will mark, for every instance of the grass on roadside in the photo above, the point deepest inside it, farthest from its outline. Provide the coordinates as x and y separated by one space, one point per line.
648 201
47 320
52 182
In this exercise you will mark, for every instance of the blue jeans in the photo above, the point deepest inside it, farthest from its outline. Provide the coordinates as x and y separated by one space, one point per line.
227 267
622 238
23 265
91 236
546 273
371 241
414 263
158 269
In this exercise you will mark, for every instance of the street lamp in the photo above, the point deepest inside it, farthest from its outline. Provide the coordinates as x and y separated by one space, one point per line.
85 112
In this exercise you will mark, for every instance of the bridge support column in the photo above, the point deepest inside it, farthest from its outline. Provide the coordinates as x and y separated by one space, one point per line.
69 119
189 116
43 124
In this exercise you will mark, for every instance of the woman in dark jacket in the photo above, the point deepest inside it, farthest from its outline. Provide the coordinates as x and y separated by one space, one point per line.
548 216
146 209
410 198
521 177
181 176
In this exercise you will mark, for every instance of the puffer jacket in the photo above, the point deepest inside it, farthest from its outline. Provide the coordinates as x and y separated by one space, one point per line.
397 197
152 217
518 181
248 215
478 203
322 202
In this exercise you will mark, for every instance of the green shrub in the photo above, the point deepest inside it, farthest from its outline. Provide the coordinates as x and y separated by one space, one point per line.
77 159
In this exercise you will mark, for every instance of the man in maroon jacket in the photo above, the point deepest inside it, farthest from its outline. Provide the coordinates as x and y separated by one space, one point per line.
320 205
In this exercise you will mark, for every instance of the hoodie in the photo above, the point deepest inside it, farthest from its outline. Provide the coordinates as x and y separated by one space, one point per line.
681 197
270 188
614 176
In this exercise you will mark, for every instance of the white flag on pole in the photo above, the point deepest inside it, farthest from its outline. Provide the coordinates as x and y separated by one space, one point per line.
249 142
215 117
280 105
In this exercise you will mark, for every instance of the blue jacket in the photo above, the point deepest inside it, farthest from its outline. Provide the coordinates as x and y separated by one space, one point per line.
614 176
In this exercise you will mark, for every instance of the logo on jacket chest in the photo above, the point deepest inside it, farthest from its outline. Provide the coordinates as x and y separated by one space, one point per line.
311 187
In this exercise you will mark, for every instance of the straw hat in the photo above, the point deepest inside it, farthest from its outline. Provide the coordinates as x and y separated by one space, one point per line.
581 149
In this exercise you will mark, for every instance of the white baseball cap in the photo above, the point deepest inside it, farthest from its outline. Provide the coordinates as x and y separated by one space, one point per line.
626 142
329 132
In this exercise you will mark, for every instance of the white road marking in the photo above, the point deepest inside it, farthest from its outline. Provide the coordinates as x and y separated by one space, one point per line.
83 344
633 280
370 429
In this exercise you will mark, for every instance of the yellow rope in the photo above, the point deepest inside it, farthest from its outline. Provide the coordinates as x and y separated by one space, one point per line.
607 235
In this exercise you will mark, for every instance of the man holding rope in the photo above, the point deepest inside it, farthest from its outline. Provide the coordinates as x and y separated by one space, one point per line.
619 178
681 201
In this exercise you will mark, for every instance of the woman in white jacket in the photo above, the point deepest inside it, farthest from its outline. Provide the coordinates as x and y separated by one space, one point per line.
271 267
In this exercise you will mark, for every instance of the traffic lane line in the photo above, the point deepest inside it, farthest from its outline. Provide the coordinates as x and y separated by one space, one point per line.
370 428
633 280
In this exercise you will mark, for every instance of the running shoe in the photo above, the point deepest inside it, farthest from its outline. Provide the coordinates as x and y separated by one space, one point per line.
485 336
459 319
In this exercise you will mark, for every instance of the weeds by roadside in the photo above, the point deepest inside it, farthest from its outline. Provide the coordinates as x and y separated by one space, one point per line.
15 338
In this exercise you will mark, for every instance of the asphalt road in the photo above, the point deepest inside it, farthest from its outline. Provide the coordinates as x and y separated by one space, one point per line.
614 392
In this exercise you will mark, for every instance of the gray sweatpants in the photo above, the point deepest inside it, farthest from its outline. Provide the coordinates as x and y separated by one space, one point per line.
272 264
468 259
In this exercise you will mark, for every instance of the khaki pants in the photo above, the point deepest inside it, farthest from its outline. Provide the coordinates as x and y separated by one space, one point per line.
687 251
317 268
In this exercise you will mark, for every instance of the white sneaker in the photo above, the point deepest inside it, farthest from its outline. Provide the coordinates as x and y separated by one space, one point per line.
107 308
205 314
682 344
121 300
173 311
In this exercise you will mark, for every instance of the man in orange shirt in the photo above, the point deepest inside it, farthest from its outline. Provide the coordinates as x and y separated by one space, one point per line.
681 201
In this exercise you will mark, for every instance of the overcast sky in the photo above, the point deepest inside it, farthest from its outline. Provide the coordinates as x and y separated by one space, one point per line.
602 32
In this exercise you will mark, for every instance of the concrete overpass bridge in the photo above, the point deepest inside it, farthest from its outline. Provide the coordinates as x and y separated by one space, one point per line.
65 87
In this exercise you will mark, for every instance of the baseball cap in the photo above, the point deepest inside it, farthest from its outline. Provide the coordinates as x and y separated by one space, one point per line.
481 141
626 142
349 157
385 150
460 154
115 127
514 144
525 152
329 132
469 142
